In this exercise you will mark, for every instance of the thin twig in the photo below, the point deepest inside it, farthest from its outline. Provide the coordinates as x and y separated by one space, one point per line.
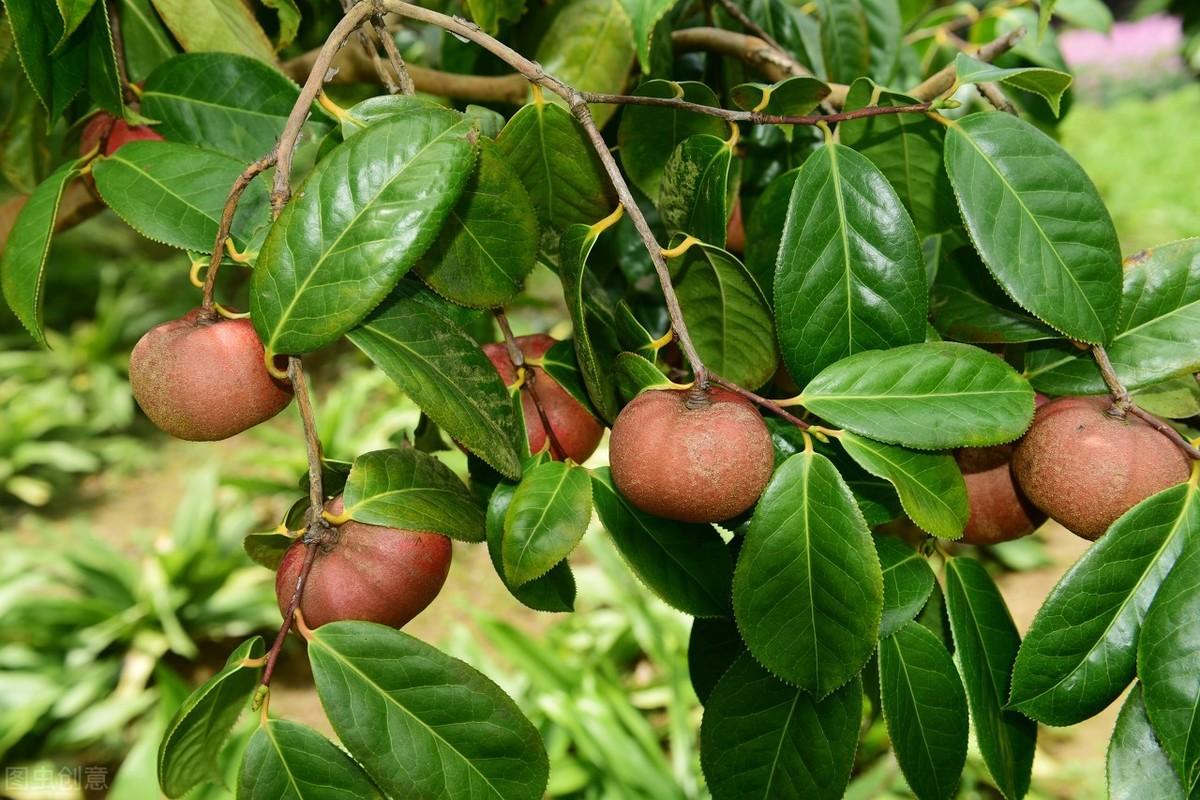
310 555
394 57
231 203
528 385
1166 430
752 117
766 403
944 79
996 96
1123 402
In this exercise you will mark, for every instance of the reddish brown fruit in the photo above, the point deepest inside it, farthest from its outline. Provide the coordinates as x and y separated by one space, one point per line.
701 464
103 127
371 573
735 229
1000 511
1085 467
202 377
574 426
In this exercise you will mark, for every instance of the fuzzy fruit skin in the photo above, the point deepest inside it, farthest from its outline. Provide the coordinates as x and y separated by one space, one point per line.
202 379
1000 511
574 426
372 573
1085 468
703 464
118 131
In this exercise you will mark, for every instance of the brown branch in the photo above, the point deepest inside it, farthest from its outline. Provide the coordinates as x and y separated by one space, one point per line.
735 11
751 50
1166 430
528 385
766 403
1124 404
231 203
394 58
751 117
996 96
943 80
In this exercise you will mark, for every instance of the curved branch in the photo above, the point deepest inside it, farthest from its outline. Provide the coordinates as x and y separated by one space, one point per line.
943 80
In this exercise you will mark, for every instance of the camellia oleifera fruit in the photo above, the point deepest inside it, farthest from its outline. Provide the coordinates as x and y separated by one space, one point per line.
202 377
1085 467
691 456
574 427
1000 511
370 573
114 133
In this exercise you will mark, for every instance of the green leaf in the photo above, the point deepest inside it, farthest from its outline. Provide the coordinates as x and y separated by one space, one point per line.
443 370
589 45
1049 84
648 135
925 710
23 265
686 565
844 39
188 753
1177 398
554 591
794 96
1039 224
713 645
850 275
226 26
289 761
930 485
907 583
488 14
727 315
423 724
595 347
73 13
986 642
405 488
561 364
147 43
968 305
1159 328
1080 651
289 20
229 103
364 216
1137 766
267 549
930 396
808 590
636 374
1168 664
1045 10
764 230
885 36
37 29
103 80
693 194
761 738
546 519
489 243
175 193
1090 14
644 15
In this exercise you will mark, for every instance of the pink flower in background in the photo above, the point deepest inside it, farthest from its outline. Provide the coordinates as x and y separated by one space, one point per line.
1156 40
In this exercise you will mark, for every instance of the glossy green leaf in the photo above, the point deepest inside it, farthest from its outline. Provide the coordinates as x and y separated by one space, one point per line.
967 305
636 374
595 347
907 583
405 488
850 276
713 645
808 590
289 761
693 195
844 39
1080 651
589 45
930 396
147 43
423 724
554 591
1050 84
562 365
73 13
986 642
267 549
1039 224
761 738
644 15
37 29
647 135
686 565
188 753
175 193
726 314
103 78
1137 766
226 26
764 231
546 519
794 96
925 710
1159 330
488 14
344 240
1177 398
376 109
443 370
489 243
885 36
23 265
930 485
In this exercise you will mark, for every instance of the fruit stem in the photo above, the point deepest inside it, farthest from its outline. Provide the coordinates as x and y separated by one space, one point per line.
766 403
231 203
530 378
1123 403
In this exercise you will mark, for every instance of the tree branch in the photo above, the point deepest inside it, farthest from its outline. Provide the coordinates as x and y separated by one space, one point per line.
793 66
751 117
1124 403
235 195
943 80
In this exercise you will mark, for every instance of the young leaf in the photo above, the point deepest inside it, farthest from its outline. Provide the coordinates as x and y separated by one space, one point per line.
489 243
103 78
844 39
443 370
693 195
1080 651
1049 84
727 315
341 244
1038 222
554 591
289 761
595 345
188 753
686 565
423 724
1137 766
221 25
907 583
930 485
764 231
929 396
761 738
589 45
808 588
967 305
925 710
794 96
23 265
850 276
648 135
986 642
713 645
175 193
405 488
546 519
644 15
488 14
